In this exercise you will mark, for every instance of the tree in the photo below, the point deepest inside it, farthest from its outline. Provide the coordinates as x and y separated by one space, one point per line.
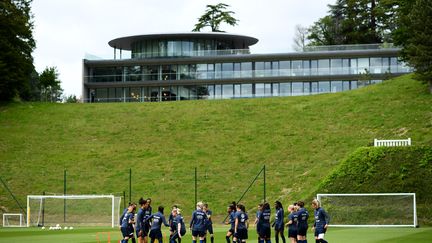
417 46
51 90
16 45
70 99
300 38
214 16
355 22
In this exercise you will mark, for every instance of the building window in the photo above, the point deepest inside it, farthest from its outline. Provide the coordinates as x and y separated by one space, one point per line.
285 68
227 91
285 89
246 90
297 88
323 67
324 87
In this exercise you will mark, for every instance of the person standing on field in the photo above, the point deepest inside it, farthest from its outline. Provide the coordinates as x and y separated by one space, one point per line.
321 222
279 222
292 223
241 225
198 223
302 223
231 214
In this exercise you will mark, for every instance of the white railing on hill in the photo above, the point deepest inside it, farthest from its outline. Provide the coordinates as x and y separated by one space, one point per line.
392 143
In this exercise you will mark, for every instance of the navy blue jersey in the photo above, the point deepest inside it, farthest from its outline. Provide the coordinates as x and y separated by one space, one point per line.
303 216
126 220
279 218
294 219
147 214
241 218
176 221
232 219
321 218
264 218
157 220
140 219
198 221
209 214
123 214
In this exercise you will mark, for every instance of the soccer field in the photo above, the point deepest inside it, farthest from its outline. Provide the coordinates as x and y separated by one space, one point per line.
341 235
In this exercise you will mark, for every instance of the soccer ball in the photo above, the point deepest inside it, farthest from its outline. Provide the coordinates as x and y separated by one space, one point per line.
65 227
43 227
71 228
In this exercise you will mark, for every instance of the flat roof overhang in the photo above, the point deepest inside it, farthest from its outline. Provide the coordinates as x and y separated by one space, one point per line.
125 43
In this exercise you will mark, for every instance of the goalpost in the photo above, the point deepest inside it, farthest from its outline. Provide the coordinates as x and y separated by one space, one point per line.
13 220
79 210
370 209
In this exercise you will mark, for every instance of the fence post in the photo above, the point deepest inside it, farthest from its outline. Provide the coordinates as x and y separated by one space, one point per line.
130 185
43 209
124 199
64 193
264 170
196 187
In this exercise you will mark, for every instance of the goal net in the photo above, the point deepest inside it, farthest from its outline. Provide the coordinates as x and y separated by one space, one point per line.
13 220
73 210
370 209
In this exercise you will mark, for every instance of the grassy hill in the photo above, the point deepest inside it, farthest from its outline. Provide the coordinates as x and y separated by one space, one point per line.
299 139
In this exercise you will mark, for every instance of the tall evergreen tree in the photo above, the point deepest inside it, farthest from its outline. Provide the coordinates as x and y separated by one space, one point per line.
16 45
417 43
352 22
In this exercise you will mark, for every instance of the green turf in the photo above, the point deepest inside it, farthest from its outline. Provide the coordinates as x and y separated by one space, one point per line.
334 235
299 139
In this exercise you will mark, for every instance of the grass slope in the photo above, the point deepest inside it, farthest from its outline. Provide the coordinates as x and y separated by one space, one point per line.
299 139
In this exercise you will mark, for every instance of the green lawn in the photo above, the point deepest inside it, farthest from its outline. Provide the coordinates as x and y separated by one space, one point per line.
334 235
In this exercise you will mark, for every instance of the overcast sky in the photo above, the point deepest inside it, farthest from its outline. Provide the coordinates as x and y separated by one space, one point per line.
65 30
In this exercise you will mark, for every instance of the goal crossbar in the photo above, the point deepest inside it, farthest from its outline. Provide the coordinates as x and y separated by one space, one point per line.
413 195
79 197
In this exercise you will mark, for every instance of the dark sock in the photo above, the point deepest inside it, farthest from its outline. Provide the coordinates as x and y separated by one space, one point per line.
193 241
227 239
133 240
268 241
323 241
212 239
283 237
261 241
205 240
277 237
317 240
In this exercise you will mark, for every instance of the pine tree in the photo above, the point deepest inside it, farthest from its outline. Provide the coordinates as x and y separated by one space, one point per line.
417 47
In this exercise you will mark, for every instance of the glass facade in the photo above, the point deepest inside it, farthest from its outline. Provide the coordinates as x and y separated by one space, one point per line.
217 91
232 70
177 67
183 48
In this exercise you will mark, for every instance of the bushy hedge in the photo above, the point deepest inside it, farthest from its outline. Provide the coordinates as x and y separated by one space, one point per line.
386 169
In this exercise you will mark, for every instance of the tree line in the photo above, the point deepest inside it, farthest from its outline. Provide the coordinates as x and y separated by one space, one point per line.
405 23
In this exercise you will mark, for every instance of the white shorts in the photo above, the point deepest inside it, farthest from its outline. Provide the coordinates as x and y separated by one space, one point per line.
321 236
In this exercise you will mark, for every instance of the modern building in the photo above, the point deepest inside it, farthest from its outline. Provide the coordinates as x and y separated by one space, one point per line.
188 66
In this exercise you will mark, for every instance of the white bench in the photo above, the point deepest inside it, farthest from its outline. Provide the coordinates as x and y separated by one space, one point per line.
392 143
